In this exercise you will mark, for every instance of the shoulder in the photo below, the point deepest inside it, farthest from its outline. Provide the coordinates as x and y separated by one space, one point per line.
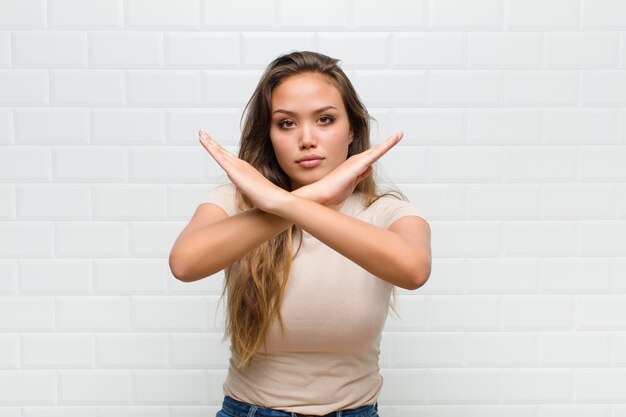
388 208
224 196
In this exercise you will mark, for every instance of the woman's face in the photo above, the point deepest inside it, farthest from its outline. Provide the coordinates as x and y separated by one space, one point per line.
310 130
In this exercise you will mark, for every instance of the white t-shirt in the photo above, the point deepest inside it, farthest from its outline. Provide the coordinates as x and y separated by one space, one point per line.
333 313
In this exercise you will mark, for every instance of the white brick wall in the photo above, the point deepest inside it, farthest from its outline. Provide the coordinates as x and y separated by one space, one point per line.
515 147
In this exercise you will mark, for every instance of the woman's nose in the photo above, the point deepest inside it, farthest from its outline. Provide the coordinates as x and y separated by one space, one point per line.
307 138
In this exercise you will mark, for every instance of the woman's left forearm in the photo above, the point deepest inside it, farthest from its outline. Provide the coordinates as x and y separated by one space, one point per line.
382 252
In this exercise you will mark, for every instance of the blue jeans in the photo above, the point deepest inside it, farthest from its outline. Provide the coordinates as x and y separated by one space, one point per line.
234 408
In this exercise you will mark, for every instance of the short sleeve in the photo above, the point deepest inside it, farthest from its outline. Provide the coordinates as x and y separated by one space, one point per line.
223 196
389 209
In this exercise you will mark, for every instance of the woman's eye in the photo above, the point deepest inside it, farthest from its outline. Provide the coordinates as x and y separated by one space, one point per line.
326 120
285 123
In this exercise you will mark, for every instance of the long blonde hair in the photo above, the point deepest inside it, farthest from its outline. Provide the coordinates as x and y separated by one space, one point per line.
256 283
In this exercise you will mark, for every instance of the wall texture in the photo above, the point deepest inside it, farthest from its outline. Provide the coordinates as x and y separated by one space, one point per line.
515 151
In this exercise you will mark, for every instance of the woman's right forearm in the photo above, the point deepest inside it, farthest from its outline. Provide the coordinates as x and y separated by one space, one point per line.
209 249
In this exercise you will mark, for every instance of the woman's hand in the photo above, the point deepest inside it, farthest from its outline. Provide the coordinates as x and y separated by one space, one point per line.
340 183
264 194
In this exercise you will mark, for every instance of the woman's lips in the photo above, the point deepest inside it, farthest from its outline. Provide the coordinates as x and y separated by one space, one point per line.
310 161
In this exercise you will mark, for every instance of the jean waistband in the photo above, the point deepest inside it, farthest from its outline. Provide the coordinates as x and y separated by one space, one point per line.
241 409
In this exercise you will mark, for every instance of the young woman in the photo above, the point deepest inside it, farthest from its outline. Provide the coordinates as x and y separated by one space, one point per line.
311 249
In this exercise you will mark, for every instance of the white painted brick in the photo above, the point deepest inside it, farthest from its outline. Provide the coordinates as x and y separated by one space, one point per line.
411 350
573 276
504 50
87 88
149 239
578 410
620 275
501 276
541 87
51 126
602 238
501 350
9 351
195 411
430 126
171 164
464 88
306 15
497 410
25 314
77 13
202 50
580 126
603 87
601 312
494 201
540 14
89 387
159 14
463 386
619 411
215 379
205 350
395 15
131 351
93 313
221 124
536 386
49 49
574 349
349 48
95 239
230 88
453 238
53 201
428 50
5 49
603 14
23 14
446 278
484 14
92 163
465 164
402 87
28 388
412 312
180 313
10 412
127 126
23 87
55 276
546 164
574 201
171 88
129 276
126 49
59 411
405 386
167 387
531 312
504 126
6 126
183 199
618 348
8 277
540 238
248 13
57 351
581 50
437 201
35 239
603 163
134 411
622 114
260 48
129 201
7 202
403 164
456 312
601 385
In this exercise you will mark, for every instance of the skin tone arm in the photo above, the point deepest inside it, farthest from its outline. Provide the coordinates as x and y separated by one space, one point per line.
401 254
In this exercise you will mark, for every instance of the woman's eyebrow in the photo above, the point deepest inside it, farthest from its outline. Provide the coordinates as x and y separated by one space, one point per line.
289 112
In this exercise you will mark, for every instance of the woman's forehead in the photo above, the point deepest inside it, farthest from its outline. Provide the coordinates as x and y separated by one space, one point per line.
307 91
